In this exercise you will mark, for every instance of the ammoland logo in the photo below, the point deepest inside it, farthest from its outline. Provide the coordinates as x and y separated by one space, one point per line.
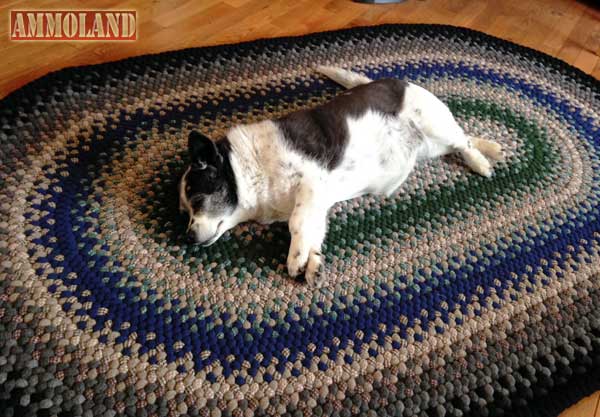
73 25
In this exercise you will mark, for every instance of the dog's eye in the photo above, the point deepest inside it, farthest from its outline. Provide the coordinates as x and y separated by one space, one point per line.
188 188
197 205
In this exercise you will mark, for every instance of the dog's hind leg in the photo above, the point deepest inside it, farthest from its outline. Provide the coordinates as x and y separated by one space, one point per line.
348 79
476 161
490 149
477 152
442 134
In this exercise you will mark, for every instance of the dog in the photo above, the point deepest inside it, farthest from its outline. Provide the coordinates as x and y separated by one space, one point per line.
367 139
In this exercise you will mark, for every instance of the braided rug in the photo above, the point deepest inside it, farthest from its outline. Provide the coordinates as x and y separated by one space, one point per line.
458 296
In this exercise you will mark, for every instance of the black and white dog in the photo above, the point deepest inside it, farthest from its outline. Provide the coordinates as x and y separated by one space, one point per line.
366 140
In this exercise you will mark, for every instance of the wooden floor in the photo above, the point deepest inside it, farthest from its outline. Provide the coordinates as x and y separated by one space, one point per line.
567 29
589 406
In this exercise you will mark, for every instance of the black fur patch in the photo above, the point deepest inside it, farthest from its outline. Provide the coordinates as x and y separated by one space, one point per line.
322 132
213 188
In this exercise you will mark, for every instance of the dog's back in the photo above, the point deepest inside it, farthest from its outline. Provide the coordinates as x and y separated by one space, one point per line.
322 132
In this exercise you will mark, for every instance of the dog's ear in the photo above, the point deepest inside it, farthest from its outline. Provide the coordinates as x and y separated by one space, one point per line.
203 151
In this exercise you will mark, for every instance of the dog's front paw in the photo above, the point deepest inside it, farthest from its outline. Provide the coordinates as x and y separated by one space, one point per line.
314 273
296 262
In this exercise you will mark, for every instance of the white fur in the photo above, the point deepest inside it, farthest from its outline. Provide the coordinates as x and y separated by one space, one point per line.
277 183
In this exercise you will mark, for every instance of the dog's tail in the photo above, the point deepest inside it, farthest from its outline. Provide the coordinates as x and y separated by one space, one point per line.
343 77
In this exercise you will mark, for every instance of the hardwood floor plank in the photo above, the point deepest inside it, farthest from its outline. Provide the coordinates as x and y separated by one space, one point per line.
584 408
596 72
586 61
563 28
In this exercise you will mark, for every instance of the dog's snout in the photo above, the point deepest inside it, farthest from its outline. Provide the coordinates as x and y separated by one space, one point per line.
193 238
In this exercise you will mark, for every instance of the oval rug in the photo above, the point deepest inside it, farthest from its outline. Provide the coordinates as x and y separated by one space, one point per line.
457 296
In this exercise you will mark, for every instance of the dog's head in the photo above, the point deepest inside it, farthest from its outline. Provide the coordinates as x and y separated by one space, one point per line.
207 190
